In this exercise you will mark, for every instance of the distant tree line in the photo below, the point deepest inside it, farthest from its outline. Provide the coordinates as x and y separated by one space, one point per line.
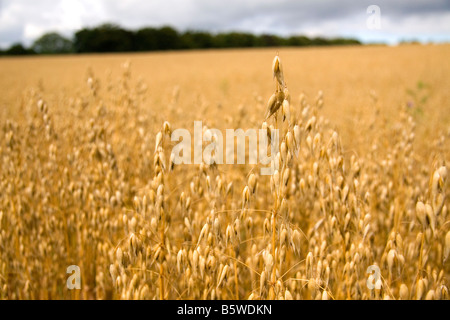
113 38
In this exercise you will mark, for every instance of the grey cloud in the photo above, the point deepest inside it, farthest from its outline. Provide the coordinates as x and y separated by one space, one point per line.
10 35
228 14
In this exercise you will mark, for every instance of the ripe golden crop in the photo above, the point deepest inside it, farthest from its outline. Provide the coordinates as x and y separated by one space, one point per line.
357 206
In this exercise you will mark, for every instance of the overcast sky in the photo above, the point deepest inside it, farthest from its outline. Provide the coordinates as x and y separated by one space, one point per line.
425 20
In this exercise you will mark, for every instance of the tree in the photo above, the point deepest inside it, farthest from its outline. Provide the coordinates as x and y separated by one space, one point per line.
52 43
298 41
168 39
113 38
105 38
270 40
196 40
319 41
18 49
146 39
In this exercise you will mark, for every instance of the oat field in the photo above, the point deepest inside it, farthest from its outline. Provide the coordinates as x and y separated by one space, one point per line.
356 209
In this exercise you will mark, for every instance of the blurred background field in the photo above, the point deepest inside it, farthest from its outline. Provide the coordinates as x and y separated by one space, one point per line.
352 79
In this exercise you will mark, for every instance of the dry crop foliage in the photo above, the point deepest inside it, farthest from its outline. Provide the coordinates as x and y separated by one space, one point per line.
140 227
